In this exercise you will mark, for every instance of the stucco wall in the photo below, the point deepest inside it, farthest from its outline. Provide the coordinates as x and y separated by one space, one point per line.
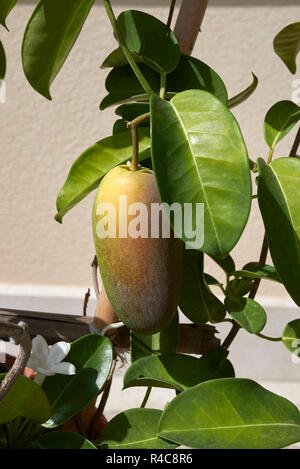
40 139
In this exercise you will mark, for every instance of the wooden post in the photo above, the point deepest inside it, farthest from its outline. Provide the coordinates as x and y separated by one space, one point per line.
188 23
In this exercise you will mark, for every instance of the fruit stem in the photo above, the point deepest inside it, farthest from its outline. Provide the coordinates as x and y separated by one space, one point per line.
126 51
135 148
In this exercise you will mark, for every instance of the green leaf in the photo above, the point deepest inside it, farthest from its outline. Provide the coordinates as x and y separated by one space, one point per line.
291 336
92 356
279 120
191 73
245 94
2 62
65 440
196 139
210 280
287 45
175 371
134 429
230 413
247 313
119 126
48 39
255 270
130 111
279 200
197 301
117 59
23 433
163 342
24 399
150 39
227 264
5 8
88 170
123 86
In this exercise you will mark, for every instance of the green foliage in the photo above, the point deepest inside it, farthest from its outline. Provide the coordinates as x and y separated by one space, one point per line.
230 413
24 399
195 136
88 170
279 120
247 313
291 336
163 342
92 355
177 371
197 301
64 440
279 199
243 95
2 62
49 37
255 270
5 8
20 433
287 45
132 110
134 429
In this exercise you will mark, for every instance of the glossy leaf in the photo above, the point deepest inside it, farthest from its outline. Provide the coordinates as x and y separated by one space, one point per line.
49 37
287 45
163 342
197 141
279 120
92 356
210 280
24 399
132 110
119 126
191 73
150 39
247 313
88 170
240 287
123 86
279 200
255 270
175 371
65 440
134 429
5 8
245 94
227 264
291 336
196 301
117 59
2 62
230 413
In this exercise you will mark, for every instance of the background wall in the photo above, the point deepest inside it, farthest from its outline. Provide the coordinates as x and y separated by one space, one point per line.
40 140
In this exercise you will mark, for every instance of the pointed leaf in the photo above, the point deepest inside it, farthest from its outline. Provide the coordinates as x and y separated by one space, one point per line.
134 429
64 440
227 264
230 413
241 97
291 336
163 342
5 8
191 73
49 37
196 301
279 201
2 62
175 371
287 45
132 110
255 270
150 39
117 59
279 120
92 356
196 139
247 313
24 399
88 170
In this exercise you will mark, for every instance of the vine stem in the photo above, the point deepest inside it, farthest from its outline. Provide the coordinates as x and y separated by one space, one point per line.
171 12
125 49
262 259
147 395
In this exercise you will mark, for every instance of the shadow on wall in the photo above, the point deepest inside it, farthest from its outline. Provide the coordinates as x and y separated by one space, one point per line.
215 3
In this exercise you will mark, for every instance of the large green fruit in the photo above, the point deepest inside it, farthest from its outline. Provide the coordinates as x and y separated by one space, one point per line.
141 275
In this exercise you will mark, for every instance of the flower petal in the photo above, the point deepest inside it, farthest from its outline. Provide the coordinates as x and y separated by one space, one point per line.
40 347
45 372
58 352
64 368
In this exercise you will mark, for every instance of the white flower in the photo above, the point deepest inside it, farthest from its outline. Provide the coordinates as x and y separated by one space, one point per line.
47 360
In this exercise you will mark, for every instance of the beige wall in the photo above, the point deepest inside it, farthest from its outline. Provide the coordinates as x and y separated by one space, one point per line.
40 139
